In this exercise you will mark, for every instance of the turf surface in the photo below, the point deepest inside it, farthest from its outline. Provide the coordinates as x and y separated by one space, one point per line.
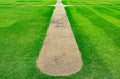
96 29
22 31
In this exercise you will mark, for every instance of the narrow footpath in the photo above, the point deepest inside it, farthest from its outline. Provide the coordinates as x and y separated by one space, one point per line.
59 55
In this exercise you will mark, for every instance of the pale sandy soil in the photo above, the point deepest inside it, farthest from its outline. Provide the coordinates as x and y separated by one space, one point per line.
59 55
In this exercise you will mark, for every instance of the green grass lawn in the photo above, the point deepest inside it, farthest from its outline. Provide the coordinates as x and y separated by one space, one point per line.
97 29
22 31
41 2
77 2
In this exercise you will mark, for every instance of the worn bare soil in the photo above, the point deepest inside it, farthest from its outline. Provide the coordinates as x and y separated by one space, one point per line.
59 55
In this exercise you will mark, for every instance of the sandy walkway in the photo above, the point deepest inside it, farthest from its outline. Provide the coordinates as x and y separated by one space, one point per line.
59 55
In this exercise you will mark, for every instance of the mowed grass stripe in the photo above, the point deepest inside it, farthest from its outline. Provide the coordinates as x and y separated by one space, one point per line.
102 42
85 34
21 42
108 49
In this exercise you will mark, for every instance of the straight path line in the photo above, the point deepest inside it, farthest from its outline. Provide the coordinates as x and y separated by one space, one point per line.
59 55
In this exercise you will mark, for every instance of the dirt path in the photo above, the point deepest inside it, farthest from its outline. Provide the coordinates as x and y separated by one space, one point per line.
59 55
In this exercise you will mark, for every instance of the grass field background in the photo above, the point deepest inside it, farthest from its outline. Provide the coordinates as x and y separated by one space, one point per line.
23 29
